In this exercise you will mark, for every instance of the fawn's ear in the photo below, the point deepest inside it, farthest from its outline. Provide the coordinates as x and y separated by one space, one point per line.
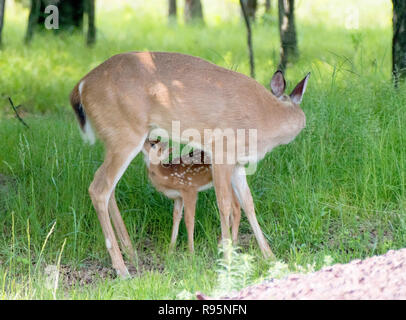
297 93
278 84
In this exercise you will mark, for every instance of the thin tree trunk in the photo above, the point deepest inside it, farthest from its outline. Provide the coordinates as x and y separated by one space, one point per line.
91 31
71 14
32 19
399 41
249 37
251 7
2 10
193 11
287 32
172 9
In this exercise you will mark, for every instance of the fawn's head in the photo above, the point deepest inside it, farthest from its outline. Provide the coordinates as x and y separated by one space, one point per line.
156 151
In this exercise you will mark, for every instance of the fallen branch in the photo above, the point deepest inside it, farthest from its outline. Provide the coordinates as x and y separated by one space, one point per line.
15 111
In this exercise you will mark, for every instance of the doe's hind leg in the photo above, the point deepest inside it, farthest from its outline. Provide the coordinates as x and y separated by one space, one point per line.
117 159
120 228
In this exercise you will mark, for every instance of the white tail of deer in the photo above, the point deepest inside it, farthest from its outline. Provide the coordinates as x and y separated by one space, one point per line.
130 94
182 182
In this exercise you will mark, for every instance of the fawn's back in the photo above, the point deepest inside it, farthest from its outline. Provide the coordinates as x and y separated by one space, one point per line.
175 177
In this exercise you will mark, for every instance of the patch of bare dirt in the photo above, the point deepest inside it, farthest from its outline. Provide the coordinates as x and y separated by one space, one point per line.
147 259
69 276
379 277
245 240
146 263
86 275
93 271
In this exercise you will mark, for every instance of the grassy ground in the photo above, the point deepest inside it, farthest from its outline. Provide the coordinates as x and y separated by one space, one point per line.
337 190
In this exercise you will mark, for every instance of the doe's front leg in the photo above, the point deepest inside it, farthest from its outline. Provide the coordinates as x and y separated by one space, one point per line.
243 192
224 195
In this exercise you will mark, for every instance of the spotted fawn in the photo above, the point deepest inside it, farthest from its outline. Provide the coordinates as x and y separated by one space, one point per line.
182 182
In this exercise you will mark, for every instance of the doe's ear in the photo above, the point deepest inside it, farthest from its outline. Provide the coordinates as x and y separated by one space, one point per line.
297 93
278 84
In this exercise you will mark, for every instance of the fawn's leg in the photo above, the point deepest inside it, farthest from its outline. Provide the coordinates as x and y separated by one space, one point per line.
120 228
177 216
243 193
117 159
189 199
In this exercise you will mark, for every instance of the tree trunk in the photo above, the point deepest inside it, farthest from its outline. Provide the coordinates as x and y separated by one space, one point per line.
2 10
287 31
267 6
70 16
70 13
91 31
399 40
251 6
32 19
249 37
193 11
172 9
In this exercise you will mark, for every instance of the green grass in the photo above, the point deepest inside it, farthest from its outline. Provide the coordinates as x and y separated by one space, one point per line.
338 189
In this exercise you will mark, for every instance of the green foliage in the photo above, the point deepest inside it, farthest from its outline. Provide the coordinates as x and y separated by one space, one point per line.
234 272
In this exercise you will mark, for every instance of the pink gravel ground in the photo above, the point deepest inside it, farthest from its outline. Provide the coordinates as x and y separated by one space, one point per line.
379 277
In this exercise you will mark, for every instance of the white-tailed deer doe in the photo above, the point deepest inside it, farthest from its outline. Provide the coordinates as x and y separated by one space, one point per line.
132 93
182 182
